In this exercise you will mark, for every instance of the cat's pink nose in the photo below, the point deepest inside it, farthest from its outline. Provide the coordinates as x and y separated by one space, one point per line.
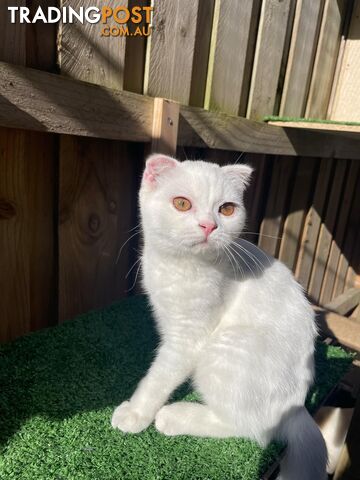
208 227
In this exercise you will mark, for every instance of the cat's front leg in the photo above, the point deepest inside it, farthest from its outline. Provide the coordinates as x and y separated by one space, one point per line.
172 365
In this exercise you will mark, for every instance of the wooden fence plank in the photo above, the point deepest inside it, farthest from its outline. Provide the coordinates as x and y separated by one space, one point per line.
97 209
201 52
337 243
325 59
98 178
326 232
270 44
12 35
15 277
41 39
272 224
86 55
229 69
350 239
27 279
135 53
347 102
353 273
312 225
171 50
254 196
298 205
301 57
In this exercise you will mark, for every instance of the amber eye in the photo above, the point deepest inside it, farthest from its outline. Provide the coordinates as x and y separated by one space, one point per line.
182 204
227 209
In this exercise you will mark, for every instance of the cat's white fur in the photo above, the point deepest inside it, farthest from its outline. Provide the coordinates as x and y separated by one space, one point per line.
230 317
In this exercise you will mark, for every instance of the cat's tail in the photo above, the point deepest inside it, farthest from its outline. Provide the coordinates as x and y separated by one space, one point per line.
306 454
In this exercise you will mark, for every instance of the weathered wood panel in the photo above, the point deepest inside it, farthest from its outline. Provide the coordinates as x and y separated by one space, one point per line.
276 205
201 52
171 50
347 99
312 224
325 60
98 178
326 232
41 39
256 193
301 57
350 241
12 35
270 44
231 55
114 62
97 210
27 166
338 238
41 101
302 188
202 128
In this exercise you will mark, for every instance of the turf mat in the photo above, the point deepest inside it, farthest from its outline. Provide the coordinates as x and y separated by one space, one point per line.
58 388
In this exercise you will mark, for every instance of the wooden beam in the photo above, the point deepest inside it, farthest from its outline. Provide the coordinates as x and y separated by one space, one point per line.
35 100
200 128
334 128
345 330
345 302
41 101
165 126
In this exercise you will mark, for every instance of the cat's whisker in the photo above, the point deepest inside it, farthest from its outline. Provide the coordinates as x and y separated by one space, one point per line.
243 260
136 277
235 262
251 256
260 235
132 268
123 245
134 228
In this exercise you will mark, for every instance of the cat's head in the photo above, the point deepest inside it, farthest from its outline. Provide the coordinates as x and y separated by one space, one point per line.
192 206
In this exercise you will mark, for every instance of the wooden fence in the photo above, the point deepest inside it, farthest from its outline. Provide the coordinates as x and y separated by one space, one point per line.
71 162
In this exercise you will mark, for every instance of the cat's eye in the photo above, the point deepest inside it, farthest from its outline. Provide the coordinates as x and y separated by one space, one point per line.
182 204
227 209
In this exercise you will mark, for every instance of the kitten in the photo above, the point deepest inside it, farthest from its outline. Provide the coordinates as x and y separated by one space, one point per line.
230 317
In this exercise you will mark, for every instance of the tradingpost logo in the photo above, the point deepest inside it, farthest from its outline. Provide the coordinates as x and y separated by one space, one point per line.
117 21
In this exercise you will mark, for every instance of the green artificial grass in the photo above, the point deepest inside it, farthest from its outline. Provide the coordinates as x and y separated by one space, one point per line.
274 118
58 388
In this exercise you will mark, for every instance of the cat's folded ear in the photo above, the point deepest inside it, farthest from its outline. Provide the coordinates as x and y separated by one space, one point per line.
239 173
156 165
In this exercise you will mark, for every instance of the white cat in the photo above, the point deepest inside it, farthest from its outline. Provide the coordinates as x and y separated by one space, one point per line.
230 317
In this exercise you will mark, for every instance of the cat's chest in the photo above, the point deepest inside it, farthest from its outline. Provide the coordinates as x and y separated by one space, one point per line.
184 290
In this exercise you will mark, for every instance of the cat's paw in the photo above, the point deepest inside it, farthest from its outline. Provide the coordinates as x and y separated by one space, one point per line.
166 421
128 420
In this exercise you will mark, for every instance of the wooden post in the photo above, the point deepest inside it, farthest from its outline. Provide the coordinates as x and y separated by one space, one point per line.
165 126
